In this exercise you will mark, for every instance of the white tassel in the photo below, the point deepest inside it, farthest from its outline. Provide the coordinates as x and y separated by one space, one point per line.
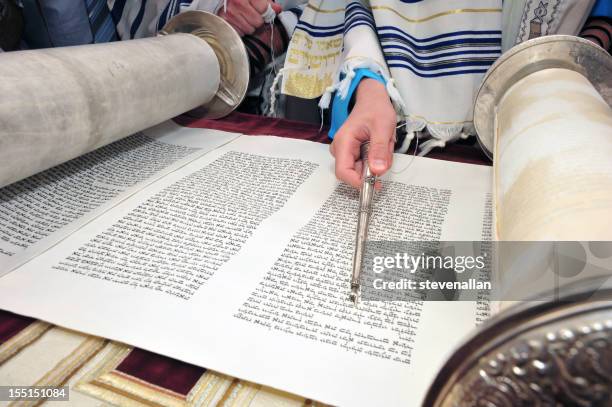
430 144
448 133
440 135
406 144
325 100
468 129
415 125
395 96
345 84
342 86
273 92
268 15
321 122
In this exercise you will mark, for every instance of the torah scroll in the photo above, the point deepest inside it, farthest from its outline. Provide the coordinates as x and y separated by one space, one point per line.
60 103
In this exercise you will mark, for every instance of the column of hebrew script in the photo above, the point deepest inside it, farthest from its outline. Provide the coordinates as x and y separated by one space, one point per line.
39 205
176 240
305 292
43 204
483 306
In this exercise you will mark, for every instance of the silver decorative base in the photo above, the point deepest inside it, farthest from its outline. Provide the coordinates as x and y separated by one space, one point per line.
536 354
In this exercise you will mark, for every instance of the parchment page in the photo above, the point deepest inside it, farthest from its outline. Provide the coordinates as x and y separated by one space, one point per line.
44 208
240 262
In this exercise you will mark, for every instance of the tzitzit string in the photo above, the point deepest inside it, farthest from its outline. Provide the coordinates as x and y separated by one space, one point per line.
416 147
269 16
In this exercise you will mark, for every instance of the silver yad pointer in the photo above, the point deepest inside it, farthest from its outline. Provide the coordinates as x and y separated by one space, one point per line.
366 196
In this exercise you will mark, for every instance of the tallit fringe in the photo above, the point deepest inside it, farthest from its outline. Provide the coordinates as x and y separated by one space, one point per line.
403 148
413 127
441 134
343 85
277 78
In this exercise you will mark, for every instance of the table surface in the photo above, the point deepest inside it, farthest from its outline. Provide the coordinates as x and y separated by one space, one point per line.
466 151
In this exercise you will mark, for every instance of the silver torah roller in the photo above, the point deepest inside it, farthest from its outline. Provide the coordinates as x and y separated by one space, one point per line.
231 53
88 96
537 54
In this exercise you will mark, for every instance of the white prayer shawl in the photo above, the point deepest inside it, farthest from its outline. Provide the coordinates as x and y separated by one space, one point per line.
433 53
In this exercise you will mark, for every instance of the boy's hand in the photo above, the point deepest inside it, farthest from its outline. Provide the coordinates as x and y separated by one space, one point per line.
372 118
246 15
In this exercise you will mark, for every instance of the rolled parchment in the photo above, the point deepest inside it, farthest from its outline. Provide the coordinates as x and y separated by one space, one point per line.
59 103
543 115
553 159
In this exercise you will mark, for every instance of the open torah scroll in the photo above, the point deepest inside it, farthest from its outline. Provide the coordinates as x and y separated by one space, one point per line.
233 253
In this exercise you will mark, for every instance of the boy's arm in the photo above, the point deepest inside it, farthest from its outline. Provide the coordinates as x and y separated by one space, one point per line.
372 119
377 102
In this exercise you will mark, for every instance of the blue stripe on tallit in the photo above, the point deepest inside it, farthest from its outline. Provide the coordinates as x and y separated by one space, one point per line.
442 54
357 15
297 11
314 27
442 45
117 10
320 34
163 18
355 22
437 74
441 65
495 52
439 36
138 19
172 8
